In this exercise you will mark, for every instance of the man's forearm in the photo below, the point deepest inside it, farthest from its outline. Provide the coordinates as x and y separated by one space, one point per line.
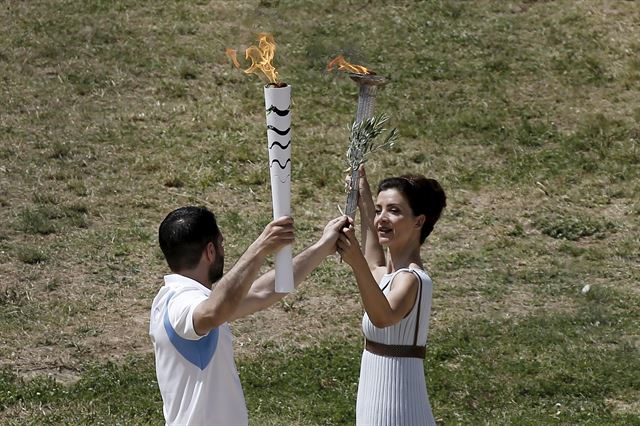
262 293
308 260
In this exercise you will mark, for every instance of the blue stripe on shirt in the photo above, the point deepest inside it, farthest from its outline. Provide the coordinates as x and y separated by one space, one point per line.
198 352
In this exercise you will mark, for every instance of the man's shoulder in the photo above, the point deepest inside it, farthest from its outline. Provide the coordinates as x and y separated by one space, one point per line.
178 287
174 305
177 284
177 280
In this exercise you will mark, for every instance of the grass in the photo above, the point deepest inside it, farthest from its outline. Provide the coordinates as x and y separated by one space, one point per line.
114 113
107 394
537 369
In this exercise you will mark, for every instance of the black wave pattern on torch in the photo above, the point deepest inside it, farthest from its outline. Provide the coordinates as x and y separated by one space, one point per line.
283 147
280 112
280 164
278 131
282 179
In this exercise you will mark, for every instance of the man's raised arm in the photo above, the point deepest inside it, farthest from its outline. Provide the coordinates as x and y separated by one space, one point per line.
232 288
262 293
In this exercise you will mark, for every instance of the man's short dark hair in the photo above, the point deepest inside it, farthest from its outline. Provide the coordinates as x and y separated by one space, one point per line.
184 234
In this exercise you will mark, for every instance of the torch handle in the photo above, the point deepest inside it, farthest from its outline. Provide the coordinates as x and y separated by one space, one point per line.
366 102
352 197
366 105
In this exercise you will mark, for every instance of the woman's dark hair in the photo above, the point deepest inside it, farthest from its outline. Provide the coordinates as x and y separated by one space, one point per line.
184 233
425 196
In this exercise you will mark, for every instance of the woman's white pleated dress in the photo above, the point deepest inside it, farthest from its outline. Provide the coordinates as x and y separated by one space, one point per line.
392 390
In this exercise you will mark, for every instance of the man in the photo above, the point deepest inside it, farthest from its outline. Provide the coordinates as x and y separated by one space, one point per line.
192 341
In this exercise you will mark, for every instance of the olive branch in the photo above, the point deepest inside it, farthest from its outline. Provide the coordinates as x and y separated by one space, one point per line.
361 146
361 139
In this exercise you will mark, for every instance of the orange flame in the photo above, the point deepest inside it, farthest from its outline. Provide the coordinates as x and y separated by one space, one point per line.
260 56
343 65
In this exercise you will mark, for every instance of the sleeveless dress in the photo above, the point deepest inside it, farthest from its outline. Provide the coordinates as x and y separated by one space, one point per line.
392 390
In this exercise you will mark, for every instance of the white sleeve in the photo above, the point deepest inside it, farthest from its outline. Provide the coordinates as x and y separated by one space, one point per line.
180 311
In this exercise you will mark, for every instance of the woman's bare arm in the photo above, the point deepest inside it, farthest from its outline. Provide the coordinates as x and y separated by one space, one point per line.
373 251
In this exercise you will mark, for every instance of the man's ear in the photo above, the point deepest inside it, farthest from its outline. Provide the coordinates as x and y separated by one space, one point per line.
210 252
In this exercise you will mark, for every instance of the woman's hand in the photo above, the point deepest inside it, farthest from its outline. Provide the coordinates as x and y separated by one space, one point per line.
348 246
371 247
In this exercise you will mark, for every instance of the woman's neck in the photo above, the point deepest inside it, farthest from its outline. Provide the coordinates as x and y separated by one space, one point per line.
403 258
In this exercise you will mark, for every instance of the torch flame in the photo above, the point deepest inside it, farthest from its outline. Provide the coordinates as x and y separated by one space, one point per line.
343 65
233 54
260 56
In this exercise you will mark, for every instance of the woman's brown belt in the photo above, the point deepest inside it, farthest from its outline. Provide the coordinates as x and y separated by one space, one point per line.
402 351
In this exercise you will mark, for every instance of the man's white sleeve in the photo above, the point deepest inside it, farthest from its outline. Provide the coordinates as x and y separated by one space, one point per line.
180 311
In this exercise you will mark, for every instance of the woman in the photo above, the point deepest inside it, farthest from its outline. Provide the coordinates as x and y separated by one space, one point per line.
396 294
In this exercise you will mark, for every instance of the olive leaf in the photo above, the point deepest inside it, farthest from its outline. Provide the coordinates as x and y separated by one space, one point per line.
361 139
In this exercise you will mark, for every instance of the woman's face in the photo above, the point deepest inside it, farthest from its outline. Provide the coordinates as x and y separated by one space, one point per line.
394 218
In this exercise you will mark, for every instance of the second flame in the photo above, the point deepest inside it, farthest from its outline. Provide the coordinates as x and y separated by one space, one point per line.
343 65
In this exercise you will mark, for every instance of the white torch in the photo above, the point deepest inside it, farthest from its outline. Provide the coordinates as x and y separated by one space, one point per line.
277 102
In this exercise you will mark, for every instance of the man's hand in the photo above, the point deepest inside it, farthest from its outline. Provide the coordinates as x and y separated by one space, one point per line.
277 234
331 233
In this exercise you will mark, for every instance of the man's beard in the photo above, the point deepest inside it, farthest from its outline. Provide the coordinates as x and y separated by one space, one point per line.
216 269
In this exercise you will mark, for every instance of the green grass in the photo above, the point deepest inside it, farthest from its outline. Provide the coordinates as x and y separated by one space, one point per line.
106 394
116 112
536 369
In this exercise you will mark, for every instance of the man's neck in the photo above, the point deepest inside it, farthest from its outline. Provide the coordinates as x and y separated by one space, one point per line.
196 276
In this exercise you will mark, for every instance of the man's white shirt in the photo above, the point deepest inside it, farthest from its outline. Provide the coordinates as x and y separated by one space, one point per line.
197 375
